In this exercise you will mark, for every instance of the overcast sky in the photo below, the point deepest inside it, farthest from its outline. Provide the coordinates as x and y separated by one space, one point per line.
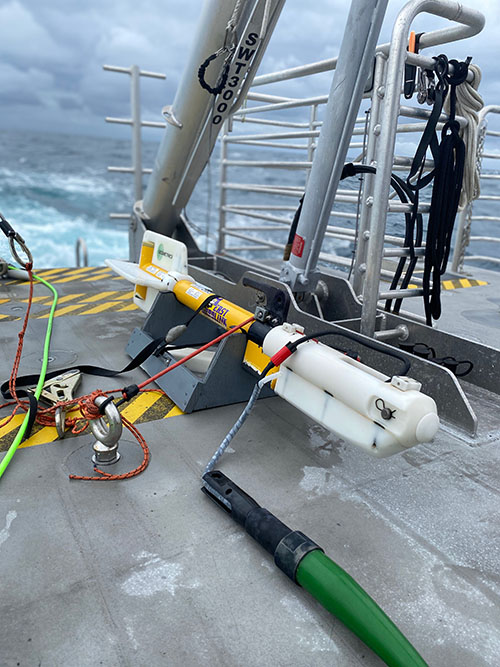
52 52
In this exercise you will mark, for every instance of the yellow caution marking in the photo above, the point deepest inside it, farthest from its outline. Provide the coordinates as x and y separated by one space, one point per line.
98 297
36 299
14 423
143 402
4 317
41 437
124 295
174 412
50 272
145 407
4 300
62 311
97 309
462 282
131 306
68 297
68 279
98 276
457 284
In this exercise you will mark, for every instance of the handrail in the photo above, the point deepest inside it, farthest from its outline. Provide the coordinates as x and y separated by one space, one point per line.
471 22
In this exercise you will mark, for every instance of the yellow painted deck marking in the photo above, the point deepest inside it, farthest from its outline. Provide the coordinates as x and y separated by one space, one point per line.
98 297
142 403
97 276
447 284
41 437
68 297
125 295
4 300
50 272
464 282
36 299
174 412
62 311
98 309
3 317
68 279
131 306
14 423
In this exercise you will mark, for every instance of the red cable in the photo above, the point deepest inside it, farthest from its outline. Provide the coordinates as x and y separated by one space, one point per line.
193 354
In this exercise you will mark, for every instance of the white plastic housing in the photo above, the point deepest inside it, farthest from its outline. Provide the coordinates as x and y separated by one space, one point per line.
163 262
351 399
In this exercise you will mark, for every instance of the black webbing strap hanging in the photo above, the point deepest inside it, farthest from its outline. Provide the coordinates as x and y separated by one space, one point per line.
449 157
448 177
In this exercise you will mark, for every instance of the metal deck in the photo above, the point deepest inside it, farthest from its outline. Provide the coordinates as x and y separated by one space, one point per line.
149 572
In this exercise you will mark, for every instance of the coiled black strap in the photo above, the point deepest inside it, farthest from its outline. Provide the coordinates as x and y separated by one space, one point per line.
222 79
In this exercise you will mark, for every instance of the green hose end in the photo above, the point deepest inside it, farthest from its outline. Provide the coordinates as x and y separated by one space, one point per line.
344 598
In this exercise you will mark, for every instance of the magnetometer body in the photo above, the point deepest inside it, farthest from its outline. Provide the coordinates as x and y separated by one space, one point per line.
380 415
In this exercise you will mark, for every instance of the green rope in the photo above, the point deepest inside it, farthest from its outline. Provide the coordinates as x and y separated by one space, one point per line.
41 380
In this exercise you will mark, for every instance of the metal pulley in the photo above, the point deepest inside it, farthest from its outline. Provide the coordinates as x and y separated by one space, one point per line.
107 433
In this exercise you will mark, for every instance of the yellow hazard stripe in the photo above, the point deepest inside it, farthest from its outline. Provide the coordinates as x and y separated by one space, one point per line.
462 282
142 402
174 412
135 411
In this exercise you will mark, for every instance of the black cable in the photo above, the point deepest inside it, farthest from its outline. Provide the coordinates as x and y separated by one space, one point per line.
292 346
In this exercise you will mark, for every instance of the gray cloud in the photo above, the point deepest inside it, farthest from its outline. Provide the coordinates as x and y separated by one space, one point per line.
52 53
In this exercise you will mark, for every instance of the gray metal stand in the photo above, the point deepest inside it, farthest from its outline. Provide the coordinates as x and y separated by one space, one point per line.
226 381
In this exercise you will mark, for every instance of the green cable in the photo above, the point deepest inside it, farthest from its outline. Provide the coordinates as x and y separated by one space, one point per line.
41 380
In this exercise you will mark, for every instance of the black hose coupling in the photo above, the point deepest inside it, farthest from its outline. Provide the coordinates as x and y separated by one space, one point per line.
286 545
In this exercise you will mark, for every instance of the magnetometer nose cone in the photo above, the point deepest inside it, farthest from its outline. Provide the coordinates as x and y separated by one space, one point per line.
427 427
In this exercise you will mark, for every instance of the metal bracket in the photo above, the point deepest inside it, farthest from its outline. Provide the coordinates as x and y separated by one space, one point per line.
61 388
273 303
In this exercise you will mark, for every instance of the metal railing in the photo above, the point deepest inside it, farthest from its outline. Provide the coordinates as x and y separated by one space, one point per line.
136 124
464 235
357 238
267 152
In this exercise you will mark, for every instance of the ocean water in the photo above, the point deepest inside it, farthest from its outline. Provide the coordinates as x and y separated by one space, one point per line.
55 189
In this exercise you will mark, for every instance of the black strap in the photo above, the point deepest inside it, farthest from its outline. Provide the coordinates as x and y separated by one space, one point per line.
30 380
32 415
449 171
222 79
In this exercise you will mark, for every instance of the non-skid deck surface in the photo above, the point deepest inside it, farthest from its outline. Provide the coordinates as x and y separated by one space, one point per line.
149 571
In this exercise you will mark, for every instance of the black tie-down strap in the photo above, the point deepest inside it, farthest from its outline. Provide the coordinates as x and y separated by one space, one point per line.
31 380
449 159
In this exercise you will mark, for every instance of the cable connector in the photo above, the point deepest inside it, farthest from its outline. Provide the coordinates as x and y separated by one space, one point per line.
129 392
280 356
